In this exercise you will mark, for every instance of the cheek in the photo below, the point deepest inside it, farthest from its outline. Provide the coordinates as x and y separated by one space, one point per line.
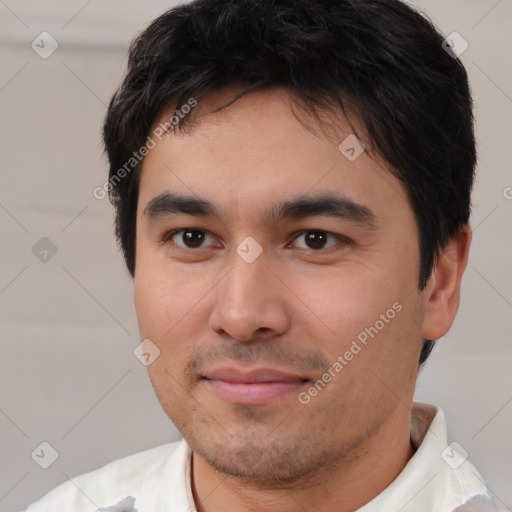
164 308
342 304
171 308
162 302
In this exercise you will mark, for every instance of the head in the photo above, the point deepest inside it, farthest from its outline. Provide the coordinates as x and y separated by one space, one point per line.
256 239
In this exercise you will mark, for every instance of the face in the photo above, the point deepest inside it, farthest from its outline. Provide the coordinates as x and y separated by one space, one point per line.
284 300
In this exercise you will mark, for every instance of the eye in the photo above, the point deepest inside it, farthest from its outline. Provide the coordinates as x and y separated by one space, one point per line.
315 239
190 238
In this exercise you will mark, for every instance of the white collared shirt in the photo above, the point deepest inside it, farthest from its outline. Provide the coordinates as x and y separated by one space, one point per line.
438 478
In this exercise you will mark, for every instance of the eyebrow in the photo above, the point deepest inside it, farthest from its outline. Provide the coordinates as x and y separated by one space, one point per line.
167 204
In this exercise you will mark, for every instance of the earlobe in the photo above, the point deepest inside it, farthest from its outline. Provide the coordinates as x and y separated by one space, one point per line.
442 293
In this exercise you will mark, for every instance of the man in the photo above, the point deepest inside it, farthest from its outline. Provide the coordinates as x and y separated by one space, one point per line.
292 186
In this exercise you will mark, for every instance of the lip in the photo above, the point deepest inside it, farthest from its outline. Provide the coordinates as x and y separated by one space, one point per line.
254 387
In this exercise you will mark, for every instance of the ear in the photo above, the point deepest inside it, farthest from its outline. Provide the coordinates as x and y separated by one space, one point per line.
442 293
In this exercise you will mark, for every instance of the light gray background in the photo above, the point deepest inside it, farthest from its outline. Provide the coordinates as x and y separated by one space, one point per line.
67 327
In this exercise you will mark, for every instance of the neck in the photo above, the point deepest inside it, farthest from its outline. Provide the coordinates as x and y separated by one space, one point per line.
343 487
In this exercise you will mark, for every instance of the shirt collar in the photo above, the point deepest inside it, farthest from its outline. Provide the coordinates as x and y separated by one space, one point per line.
437 478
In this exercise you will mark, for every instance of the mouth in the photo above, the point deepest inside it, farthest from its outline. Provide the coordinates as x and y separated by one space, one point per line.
255 387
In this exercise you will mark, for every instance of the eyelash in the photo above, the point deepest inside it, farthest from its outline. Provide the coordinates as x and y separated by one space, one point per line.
344 240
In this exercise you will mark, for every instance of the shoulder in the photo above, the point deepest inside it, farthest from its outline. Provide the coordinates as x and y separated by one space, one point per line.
482 504
107 485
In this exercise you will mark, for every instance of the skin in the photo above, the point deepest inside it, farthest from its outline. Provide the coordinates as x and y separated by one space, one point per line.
295 308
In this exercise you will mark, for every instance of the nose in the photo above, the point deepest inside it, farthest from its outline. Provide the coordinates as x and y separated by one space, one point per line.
249 302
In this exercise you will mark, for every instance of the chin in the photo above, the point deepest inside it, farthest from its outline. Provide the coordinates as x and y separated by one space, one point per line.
261 460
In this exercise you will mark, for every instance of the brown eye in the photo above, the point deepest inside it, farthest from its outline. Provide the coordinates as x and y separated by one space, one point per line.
315 239
193 238
187 238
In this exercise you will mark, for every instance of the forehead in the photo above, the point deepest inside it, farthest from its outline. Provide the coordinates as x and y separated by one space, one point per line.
260 150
